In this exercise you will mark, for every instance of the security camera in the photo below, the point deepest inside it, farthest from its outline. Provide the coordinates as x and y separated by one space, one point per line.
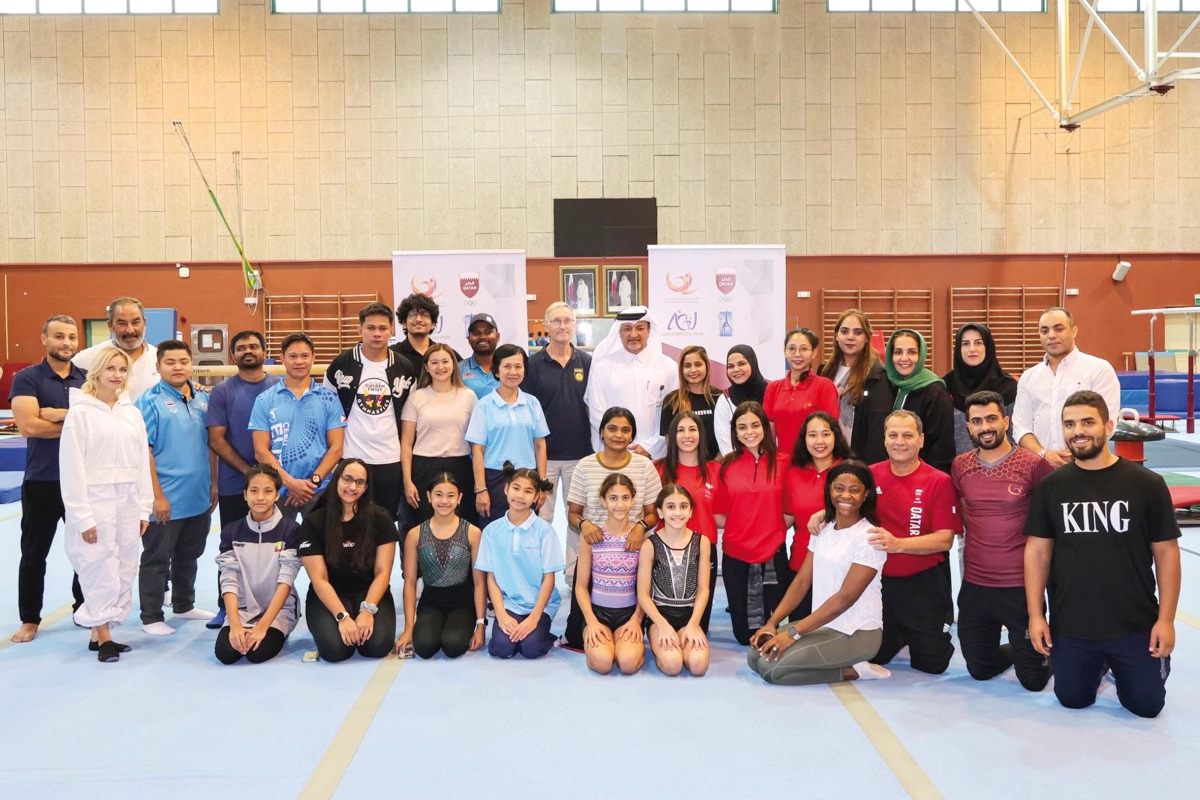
1121 271
183 270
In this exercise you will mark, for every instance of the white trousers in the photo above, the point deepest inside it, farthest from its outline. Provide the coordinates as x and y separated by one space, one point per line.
107 568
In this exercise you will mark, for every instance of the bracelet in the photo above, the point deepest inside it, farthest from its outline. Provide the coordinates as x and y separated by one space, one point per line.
480 491
1042 454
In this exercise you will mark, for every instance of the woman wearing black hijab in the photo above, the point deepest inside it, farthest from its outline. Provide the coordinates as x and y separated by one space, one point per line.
976 369
746 382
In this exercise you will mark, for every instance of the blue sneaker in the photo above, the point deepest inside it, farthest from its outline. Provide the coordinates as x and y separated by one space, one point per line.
217 622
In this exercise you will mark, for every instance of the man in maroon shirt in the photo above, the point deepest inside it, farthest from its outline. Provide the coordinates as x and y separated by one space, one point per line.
995 482
918 520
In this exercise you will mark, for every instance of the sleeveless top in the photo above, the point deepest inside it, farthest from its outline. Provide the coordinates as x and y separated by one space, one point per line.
614 572
676 576
445 567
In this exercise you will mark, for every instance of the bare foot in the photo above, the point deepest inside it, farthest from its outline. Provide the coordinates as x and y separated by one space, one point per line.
25 633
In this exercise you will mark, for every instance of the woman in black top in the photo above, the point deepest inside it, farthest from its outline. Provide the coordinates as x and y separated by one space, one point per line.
922 392
865 396
695 394
976 369
347 546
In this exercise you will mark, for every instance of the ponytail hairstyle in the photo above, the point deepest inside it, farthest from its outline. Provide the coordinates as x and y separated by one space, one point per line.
670 489
617 479
442 477
511 473
268 471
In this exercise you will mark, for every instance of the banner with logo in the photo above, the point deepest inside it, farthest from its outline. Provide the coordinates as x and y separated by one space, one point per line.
719 296
464 283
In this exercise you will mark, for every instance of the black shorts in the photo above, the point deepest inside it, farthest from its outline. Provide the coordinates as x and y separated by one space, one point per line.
678 618
613 618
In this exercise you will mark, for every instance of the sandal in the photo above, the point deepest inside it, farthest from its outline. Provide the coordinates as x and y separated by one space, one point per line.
109 652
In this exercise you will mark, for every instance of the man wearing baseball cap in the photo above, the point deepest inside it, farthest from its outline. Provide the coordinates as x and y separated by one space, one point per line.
483 335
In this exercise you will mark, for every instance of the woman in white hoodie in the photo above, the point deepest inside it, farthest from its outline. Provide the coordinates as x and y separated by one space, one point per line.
107 493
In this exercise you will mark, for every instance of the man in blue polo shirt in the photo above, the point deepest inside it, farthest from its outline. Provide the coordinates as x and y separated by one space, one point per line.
483 335
298 428
175 412
39 406
558 378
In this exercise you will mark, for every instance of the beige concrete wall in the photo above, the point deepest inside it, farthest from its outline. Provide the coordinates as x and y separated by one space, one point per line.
362 134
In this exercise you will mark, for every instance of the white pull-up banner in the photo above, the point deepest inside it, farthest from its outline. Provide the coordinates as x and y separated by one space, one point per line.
464 283
719 296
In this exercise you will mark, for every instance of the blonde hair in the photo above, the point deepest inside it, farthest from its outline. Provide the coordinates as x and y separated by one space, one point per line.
555 306
92 384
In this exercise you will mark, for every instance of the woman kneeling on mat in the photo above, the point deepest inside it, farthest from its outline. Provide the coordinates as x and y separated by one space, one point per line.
348 545
613 630
520 554
673 586
833 643
258 575
452 616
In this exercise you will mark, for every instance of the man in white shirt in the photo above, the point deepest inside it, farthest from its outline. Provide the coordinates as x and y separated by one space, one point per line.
127 322
629 369
1044 387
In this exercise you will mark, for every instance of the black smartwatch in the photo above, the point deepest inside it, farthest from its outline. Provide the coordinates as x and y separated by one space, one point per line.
341 615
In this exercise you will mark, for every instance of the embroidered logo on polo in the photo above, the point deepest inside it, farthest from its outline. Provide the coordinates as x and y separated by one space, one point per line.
373 397
578 375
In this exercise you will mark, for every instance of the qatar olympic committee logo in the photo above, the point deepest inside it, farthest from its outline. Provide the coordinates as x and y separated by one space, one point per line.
726 280
468 282
680 283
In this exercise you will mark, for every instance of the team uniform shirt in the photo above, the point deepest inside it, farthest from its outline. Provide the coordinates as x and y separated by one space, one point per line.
834 553
703 486
1103 523
995 501
229 407
177 432
803 496
507 430
590 474
520 556
788 405
477 379
561 390
1041 394
753 508
371 429
298 426
441 421
254 558
636 382
143 373
343 577
43 384
913 505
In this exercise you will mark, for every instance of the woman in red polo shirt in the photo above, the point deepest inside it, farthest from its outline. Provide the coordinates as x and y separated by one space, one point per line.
790 400
749 505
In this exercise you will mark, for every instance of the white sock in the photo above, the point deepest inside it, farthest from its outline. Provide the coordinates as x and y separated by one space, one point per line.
196 613
871 672
158 629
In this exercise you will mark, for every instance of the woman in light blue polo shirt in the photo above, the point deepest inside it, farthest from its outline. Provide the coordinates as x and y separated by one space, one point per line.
506 425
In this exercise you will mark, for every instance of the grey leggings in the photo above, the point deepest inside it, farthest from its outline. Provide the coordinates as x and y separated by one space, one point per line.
819 657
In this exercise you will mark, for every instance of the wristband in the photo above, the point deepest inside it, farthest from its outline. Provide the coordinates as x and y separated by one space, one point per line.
1042 454
481 621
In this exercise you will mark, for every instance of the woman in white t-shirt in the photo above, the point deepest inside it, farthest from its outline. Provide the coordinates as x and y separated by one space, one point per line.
835 642
433 431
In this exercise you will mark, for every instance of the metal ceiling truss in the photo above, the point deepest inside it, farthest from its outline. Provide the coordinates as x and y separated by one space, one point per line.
1153 76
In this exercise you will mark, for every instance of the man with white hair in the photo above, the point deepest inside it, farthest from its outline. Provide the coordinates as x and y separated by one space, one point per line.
127 323
629 369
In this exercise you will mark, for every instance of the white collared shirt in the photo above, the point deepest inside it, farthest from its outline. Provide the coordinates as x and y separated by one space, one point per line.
638 382
1041 393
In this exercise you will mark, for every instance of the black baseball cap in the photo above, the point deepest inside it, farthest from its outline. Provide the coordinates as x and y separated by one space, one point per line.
485 318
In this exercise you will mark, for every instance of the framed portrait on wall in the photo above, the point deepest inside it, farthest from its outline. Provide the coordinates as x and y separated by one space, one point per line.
622 288
578 285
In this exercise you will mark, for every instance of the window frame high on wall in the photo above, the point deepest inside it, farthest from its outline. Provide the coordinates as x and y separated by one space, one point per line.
111 8
343 7
930 7
640 7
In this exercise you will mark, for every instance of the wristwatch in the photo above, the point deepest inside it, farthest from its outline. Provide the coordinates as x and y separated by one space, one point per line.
791 630
481 621
341 615
315 479
371 607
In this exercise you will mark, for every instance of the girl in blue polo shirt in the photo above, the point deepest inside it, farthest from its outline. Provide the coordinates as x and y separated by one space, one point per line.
520 555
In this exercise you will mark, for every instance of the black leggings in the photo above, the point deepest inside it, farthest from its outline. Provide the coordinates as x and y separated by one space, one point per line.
267 649
448 630
328 638
736 575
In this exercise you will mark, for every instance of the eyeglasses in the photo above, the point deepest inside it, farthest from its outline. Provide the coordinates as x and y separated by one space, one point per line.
419 312
349 480
796 349
560 323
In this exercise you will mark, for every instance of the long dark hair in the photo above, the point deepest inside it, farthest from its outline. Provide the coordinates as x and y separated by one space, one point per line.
841 448
680 399
866 361
766 451
861 471
358 529
670 464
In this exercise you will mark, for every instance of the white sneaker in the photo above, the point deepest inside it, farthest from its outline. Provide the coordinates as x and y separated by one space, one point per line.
195 613
158 629
871 672
167 599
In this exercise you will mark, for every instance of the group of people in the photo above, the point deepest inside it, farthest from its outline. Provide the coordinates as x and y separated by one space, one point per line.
875 465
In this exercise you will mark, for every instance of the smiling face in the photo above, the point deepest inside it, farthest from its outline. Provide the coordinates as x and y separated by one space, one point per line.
444 498
634 336
737 368
352 485
973 350
818 439
418 322
521 494
483 339
261 495
561 324
906 355
695 370
440 365
298 360
113 375
687 435
848 495
617 434
986 425
799 353
750 431
902 440
851 337
675 511
248 353
128 326
1057 334
511 371
1086 435
617 501
61 341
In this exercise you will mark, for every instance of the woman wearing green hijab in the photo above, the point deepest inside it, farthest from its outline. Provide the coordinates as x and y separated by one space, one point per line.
921 391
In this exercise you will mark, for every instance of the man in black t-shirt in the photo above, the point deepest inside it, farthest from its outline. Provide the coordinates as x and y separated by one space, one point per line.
1099 530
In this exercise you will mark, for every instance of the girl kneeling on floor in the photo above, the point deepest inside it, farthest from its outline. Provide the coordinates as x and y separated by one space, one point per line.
835 642
613 629
673 586
520 554
258 565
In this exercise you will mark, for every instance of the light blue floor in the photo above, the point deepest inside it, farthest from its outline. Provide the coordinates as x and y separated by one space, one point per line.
169 721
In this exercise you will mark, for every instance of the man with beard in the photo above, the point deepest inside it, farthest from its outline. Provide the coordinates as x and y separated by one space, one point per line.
229 408
39 405
483 336
995 482
418 315
127 322
1101 532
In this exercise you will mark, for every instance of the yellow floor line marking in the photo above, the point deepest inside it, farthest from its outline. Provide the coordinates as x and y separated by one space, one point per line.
329 772
901 762
10 516
48 620
1183 616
